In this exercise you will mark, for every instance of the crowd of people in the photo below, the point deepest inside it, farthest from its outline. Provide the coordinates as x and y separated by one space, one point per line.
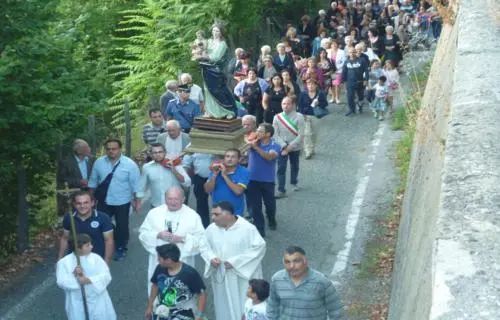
353 46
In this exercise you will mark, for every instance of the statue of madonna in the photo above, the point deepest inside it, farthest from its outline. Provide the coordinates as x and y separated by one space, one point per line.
219 101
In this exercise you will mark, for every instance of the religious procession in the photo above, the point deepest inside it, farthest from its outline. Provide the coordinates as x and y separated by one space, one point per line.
227 144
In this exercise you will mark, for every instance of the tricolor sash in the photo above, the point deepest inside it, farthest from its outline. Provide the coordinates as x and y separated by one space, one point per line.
288 123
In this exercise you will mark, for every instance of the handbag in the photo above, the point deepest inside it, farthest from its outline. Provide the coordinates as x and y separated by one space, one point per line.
101 191
320 112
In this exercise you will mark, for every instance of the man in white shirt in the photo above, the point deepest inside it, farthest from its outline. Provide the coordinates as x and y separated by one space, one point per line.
196 93
172 222
174 140
160 175
233 251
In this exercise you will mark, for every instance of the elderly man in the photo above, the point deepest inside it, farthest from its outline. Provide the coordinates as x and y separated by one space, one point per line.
174 140
300 292
183 109
233 251
115 179
249 123
75 169
196 93
170 94
160 175
173 222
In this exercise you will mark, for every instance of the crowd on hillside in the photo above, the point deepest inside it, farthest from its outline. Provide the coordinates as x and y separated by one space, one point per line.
352 48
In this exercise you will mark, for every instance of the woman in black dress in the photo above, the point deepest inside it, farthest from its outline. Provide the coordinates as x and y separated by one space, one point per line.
272 98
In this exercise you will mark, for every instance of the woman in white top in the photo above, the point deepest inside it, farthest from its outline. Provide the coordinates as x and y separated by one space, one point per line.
336 56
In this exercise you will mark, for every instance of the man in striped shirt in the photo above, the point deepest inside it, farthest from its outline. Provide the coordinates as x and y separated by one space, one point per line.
152 130
300 292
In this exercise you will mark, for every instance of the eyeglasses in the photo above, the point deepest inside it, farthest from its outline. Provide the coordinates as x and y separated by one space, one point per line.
157 152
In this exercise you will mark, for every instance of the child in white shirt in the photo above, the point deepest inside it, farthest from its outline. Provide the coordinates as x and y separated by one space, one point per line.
255 306
379 105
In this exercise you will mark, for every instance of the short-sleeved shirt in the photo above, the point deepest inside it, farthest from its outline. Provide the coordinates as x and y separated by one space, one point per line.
222 192
125 180
183 112
178 291
95 225
263 170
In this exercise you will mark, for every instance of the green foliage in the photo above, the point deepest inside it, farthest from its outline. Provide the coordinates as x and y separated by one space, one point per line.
154 39
153 42
406 119
63 60
52 76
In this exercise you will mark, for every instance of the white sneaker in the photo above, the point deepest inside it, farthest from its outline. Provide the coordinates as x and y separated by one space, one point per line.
295 187
280 195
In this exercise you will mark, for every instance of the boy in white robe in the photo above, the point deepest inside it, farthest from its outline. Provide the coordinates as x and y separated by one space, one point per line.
93 274
233 251
172 222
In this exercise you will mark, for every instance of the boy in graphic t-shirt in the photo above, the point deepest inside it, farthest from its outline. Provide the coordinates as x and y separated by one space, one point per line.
255 306
175 287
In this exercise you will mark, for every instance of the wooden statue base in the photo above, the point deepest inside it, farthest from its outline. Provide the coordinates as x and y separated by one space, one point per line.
215 136
223 125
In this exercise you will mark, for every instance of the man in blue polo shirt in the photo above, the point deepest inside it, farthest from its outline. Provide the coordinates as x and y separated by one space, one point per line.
262 166
87 220
228 181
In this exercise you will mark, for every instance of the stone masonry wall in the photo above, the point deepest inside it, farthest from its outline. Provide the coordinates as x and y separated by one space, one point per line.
448 254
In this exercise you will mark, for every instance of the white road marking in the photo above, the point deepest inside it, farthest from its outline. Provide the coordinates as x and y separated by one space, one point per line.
353 218
26 302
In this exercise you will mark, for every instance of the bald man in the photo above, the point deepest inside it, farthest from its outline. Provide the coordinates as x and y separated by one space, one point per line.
174 140
172 222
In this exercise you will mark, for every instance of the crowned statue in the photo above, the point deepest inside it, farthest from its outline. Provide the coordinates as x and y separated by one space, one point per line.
219 100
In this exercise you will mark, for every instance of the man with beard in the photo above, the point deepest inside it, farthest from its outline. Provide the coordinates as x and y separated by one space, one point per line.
160 175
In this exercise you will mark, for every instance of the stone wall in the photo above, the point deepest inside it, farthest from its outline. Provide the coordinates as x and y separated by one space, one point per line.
448 253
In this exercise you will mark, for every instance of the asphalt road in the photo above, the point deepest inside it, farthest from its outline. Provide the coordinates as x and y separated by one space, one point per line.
314 217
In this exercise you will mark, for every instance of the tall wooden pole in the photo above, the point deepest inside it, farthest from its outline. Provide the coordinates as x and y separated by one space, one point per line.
67 192
22 209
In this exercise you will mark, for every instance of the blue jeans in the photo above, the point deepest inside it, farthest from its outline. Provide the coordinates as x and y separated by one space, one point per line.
256 193
294 169
352 90
436 28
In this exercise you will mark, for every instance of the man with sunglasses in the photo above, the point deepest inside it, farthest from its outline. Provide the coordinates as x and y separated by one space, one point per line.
183 109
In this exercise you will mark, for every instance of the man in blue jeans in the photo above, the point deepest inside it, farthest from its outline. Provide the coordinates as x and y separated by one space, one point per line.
124 184
289 134
262 166
355 74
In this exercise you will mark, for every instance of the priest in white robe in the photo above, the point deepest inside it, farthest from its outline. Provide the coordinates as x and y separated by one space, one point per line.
233 250
172 222
94 275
